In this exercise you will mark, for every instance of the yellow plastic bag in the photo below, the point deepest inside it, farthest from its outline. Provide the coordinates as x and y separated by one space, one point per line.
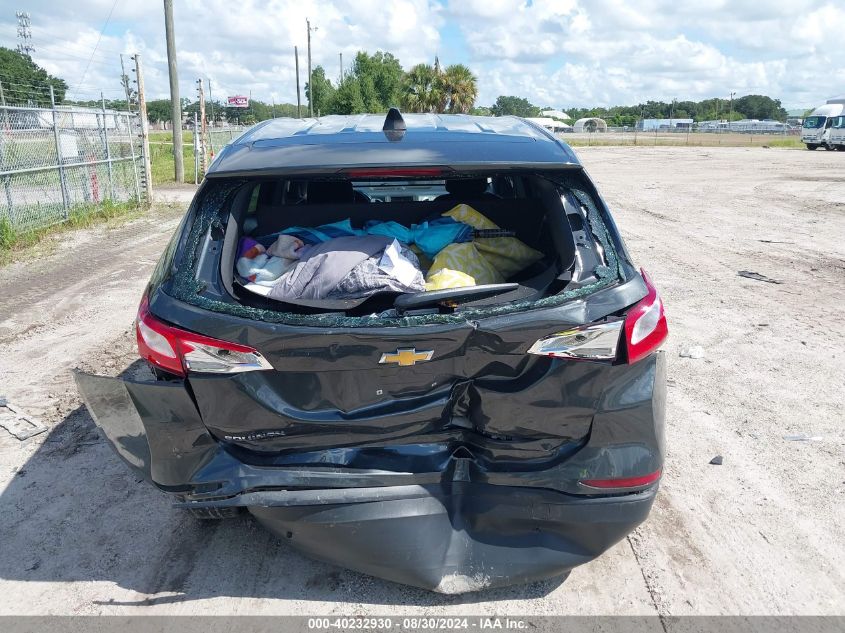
508 255
464 262
447 278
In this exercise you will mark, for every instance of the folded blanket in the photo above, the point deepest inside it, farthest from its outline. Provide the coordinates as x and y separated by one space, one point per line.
325 265
396 270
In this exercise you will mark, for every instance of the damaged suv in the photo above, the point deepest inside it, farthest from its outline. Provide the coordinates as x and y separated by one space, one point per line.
414 346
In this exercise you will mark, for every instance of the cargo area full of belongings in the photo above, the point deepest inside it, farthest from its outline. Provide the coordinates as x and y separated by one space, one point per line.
338 261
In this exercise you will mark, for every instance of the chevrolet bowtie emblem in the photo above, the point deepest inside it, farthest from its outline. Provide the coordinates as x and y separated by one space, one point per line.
406 357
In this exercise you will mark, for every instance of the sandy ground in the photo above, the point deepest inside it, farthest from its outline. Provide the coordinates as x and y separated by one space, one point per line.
764 533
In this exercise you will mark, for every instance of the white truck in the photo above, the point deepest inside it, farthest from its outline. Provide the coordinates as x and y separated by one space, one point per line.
817 128
837 133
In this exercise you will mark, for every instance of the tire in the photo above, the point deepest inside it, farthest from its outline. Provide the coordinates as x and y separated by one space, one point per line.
812 146
214 514
828 147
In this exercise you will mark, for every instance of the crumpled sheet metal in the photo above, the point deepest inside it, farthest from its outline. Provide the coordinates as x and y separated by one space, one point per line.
214 209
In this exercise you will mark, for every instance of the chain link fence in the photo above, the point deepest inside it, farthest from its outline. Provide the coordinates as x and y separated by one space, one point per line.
218 138
55 160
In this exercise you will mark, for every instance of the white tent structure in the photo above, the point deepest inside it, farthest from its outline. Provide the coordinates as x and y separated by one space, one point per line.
591 124
550 124
557 114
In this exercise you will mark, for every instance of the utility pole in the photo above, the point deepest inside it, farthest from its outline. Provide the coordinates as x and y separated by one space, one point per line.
145 129
196 151
175 105
124 79
202 130
310 78
298 97
211 103
671 113
341 68
731 115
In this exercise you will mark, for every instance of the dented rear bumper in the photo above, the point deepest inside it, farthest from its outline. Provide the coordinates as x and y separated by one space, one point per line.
469 523
455 537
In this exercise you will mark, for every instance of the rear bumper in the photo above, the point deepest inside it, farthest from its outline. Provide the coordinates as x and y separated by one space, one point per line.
461 527
452 538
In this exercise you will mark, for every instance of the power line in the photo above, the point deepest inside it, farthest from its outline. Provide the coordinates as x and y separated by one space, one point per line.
100 37
75 43
60 54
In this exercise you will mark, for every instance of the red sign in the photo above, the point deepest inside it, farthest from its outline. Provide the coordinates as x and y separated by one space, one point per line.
238 102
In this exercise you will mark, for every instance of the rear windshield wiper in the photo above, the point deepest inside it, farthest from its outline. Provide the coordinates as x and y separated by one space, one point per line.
451 297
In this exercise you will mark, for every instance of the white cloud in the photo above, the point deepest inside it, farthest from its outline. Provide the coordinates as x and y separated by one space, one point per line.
243 47
606 52
554 52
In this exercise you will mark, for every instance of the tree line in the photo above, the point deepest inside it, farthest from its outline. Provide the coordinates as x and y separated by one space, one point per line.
373 84
377 82
746 107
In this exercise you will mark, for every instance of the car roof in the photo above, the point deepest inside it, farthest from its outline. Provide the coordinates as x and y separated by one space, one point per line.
333 143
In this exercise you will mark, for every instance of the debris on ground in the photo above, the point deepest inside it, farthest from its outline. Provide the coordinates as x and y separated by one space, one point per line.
717 461
20 426
749 274
803 437
693 351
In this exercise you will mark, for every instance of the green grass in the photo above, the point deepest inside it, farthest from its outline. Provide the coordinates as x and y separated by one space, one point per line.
161 157
16 244
694 139
790 142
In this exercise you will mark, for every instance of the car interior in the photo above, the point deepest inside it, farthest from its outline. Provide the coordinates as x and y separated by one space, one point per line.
529 208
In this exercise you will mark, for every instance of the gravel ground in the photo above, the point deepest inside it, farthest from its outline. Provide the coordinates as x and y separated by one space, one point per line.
763 533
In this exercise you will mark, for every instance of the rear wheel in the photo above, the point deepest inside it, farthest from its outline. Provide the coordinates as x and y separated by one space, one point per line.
812 146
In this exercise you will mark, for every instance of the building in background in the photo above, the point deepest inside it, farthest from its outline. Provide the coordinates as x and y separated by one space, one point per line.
650 125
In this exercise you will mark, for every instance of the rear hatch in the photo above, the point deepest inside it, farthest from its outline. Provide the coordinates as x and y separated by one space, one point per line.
373 391
407 391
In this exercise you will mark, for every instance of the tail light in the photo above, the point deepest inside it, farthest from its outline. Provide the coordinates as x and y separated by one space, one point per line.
644 326
396 172
179 351
597 341
623 482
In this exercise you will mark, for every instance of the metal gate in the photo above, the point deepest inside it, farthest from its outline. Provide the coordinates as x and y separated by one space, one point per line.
54 161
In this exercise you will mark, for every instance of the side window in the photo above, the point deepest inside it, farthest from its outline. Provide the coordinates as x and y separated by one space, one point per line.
253 200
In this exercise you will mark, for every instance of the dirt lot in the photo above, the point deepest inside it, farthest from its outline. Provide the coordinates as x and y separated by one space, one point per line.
764 533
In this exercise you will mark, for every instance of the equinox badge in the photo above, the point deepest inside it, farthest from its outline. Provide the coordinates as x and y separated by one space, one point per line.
405 357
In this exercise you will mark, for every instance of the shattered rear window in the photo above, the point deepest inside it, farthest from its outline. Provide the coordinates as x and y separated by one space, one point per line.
213 211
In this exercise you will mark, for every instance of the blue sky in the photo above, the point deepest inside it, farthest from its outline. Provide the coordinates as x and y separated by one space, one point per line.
559 53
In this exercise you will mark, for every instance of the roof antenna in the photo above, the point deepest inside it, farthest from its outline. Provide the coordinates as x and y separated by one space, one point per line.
394 122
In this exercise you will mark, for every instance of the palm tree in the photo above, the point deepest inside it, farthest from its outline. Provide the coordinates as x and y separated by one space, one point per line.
460 86
420 92
432 89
